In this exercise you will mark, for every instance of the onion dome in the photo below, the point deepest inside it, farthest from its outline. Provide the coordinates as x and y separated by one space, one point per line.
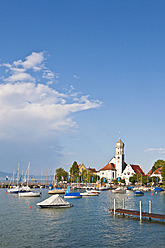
119 144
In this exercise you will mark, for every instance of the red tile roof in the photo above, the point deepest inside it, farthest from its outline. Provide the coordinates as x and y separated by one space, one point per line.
158 171
137 169
110 166
149 173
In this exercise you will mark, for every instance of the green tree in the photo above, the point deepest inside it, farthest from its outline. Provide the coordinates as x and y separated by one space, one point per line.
74 171
60 172
159 163
163 173
137 178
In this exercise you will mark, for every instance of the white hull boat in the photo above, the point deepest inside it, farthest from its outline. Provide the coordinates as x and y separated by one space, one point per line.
29 194
119 190
89 194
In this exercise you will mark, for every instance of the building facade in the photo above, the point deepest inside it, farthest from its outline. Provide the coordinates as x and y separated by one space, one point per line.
116 165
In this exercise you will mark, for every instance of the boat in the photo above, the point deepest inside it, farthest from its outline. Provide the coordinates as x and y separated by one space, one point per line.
119 190
130 188
57 191
55 201
72 195
89 193
139 193
158 189
69 194
29 194
18 189
94 191
14 190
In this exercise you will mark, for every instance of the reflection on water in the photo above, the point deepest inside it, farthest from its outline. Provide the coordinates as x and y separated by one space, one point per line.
87 224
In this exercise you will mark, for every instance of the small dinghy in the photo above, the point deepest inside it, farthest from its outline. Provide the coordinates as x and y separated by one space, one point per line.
55 201
139 193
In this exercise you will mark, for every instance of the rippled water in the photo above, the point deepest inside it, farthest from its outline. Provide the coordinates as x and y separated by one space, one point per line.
87 224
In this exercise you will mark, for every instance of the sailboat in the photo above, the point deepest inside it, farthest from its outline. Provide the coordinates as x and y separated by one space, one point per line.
25 190
69 194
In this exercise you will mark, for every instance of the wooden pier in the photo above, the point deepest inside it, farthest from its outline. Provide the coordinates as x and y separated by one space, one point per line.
137 213
141 214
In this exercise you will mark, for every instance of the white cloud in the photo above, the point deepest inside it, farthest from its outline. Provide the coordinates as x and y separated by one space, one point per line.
159 150
18 69
75 76
20 76
33 111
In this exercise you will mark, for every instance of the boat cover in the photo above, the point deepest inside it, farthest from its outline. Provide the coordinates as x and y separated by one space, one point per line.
54 200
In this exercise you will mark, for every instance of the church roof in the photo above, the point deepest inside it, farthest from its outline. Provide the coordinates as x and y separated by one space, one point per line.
110 166
119 143
137 169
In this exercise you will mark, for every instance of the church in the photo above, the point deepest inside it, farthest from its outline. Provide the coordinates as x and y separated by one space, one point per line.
117 168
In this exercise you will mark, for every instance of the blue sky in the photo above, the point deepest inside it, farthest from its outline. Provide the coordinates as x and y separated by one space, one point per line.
73 75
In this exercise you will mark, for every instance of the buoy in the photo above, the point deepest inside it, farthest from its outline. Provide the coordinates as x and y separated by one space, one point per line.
43 193
30 207
13 195
127 197
152 193
6 192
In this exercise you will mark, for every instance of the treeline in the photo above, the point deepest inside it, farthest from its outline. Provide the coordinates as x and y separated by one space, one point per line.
74 175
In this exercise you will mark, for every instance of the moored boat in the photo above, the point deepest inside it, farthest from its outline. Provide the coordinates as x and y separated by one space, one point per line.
55 201
69 194
139 193
29 194
88 193
119 190
57 191
72 195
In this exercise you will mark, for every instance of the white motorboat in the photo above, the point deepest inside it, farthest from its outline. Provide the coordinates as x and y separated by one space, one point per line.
94 191
119 190
55 201
29 194
88 193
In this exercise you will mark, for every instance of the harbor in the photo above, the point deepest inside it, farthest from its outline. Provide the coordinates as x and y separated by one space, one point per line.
88 223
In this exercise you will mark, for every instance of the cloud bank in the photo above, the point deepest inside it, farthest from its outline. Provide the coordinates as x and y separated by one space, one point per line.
159 150
30 107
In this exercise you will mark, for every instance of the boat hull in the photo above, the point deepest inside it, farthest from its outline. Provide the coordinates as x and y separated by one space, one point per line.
29 194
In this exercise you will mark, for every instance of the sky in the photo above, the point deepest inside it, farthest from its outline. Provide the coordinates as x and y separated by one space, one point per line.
73 74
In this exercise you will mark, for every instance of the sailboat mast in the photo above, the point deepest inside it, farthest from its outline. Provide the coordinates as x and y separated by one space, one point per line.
28 173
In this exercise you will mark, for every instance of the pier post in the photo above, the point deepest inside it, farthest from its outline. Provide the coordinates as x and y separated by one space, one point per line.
123 205
114 206
140 210
149 209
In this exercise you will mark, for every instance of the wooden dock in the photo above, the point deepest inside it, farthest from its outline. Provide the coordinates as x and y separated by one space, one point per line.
137 213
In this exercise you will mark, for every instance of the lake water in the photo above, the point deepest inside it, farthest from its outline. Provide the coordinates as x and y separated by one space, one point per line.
87 224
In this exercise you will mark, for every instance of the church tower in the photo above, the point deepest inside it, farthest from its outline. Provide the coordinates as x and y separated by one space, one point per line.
119 157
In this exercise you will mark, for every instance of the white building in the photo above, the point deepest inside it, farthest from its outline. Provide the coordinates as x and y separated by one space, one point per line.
130 170
116 165
118 168
157 173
